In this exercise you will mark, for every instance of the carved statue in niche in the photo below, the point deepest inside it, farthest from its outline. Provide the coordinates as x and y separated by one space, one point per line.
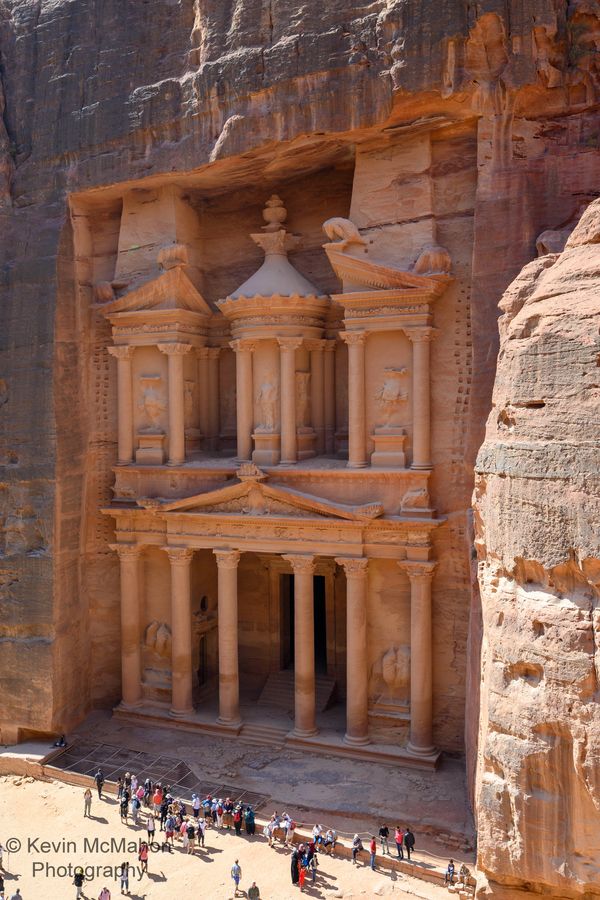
189 398
151 404
267 401
157 638
302 398
390 395
390 677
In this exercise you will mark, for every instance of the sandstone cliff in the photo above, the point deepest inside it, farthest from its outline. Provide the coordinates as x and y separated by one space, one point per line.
537 502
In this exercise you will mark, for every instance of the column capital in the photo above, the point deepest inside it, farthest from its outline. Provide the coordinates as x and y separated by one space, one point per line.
354 566
174 349
301 564
121 351
227 559
419 334
417 570
127 551
330 345
241 344
290 343
179 556
353 337
316 344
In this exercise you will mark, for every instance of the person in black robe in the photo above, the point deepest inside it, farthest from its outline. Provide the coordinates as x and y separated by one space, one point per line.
295 867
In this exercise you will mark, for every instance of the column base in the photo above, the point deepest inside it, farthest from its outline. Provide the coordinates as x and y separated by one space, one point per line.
304 733
234 724
353 741
426 467
288 462
238 459
356 465
175 462
129 707
181 713
124 462
421 751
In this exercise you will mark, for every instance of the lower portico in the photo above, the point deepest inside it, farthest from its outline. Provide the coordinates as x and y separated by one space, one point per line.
287 532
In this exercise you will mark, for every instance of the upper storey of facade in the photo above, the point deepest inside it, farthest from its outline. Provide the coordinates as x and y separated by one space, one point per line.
305 384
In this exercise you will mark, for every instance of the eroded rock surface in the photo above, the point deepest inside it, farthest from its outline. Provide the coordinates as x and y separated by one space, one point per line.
537 512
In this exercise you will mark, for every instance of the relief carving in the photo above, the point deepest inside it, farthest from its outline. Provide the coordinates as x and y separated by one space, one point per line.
157 638
390 678
390 396
302 399
151 404
267 401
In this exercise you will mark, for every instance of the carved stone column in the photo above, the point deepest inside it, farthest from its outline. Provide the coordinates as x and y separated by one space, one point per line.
289 448
421 339
229 681
304 645
421 657
329 397
357 668
203 393
357 414
317 393
130 559
175 354
123 356
213 397
181 631
244 397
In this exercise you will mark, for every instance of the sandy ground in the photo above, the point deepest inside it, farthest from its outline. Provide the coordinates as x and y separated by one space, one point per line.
34 812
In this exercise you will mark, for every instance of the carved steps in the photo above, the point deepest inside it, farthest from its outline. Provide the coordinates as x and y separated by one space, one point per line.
279 691
254 733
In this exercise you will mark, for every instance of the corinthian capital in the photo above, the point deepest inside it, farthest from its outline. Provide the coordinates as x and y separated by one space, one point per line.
353 337
123 351
417 570
227 559
127 551
290 343
179 556
303 565
354 566
419 334
174 349
242 344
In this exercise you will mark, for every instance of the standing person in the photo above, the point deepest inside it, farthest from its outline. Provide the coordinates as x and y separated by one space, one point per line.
409 842
143 858
399 838
384 833
253 892
87 803
237 820
123 806
120 787
170 828
313 865
356 848
104 894
99 779
124 876
150 827
164 812
196 804
250 821
449 876
17 895
135 809
295 866
302 873
201 831
78 880
373 851
191 833
219 814
236 874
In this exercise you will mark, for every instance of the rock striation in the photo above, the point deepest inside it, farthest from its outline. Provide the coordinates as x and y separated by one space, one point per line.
537 509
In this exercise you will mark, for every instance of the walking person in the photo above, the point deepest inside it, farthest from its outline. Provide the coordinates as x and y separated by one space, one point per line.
409 842
399 838
87 803
384 833
236 874
372 851
78 880
99 779
124 877
143 858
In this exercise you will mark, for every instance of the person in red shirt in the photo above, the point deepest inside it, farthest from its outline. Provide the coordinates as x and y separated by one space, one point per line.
399 838
373 851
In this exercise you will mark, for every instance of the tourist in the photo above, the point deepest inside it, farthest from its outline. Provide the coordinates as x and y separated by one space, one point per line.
134 784
123 806
135 810
313 865
236 874
253 892
104 894
124 876
384 833
409 842
372 851
356 848
330 841
250 821
143 858
317 833
399 838
201 831
120 786
164 812
196 804
183 833
295 866
150 827
449 876
219 814
99 779
128 781
147 792
87 803
228 813
170 824
157 801
237 820
17 895
191 833
78 880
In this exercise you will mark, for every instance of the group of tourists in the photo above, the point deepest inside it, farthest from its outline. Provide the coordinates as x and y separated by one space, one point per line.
403 838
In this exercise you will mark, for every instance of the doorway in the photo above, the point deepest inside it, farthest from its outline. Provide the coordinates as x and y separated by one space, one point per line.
287 611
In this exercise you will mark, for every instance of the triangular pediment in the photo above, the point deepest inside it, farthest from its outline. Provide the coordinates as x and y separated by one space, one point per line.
252 496
171 290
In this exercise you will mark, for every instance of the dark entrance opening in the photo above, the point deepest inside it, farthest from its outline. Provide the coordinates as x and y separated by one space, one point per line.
202 670
287 611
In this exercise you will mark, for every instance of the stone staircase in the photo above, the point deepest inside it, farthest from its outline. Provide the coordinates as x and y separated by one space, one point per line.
278 692
255 733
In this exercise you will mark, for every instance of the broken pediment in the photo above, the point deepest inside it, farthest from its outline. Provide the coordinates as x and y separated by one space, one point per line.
252 495
173 289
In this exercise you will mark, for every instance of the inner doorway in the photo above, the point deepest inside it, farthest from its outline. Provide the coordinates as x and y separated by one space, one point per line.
286 599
